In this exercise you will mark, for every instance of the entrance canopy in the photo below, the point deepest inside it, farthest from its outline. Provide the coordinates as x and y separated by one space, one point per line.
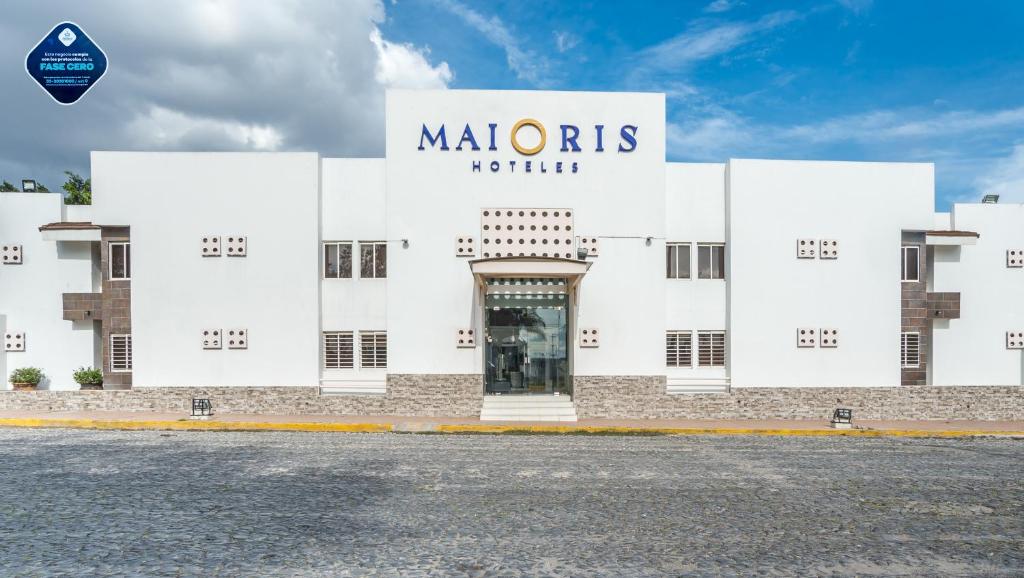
571 270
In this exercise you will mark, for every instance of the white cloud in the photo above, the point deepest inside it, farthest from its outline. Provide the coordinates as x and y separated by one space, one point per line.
1005 178
720 6
162 128
902 124
210 75
527 65
857 6
705 40
405 66
565 41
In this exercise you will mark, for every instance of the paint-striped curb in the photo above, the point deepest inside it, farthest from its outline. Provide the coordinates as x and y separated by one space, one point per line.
194 425
603 430
479 429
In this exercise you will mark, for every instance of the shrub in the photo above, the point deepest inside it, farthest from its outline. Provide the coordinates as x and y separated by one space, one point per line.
88 376
31 375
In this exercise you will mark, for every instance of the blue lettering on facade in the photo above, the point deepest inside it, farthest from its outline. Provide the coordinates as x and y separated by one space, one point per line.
628 134
571 142
570 139
467 136
433 139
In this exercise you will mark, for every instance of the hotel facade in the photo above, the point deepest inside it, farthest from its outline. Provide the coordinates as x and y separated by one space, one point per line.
516 255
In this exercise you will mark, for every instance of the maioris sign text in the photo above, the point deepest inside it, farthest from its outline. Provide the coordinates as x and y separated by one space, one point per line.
529 137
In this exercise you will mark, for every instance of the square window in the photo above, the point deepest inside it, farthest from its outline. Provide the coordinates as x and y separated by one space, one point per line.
338 260
120 353
120 260
711 348
910 350
711 261
678 260
339 351
373 259
373 349
679 349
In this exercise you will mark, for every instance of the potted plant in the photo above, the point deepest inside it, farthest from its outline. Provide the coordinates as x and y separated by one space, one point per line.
89 378
26 378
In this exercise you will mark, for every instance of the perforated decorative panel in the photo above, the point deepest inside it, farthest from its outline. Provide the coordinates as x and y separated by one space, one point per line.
829 249
1015 258
526 233
210 246
465 246
589 338
1015 339
829 337
806 337
237 338
806 248
465 338
590 244
10 254
236 246
14 341
211 338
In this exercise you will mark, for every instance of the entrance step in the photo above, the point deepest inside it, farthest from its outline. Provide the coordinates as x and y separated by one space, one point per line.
528 408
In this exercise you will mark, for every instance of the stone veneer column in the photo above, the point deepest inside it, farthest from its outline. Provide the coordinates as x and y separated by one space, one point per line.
116 298
914 310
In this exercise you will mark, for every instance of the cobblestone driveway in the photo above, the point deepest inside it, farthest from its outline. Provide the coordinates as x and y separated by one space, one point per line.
83 503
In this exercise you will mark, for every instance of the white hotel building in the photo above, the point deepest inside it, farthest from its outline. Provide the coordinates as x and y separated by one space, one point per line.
518 243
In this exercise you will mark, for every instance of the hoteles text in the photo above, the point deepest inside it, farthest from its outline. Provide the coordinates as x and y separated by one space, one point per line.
571 140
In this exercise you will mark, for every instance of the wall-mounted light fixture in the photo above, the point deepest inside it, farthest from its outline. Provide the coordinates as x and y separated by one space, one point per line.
28 185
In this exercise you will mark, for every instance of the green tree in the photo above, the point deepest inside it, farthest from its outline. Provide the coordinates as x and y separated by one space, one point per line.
79 190
41 188
7 187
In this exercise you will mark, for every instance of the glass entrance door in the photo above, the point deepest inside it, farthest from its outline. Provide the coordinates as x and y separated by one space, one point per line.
526 339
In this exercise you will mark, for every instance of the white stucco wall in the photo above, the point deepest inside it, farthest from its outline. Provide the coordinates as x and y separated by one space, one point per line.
865 206
972 350
171 200
695 213
31 294
353 211
433 196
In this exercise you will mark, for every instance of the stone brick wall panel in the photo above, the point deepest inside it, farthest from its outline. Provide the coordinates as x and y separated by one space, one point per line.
415 395
644 397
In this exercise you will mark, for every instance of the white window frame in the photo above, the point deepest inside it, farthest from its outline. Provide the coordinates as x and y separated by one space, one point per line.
359 257
711 247
711 355
673 356
668 253
126 247
906 349
125 367
337 348
336 246
379 355
917 263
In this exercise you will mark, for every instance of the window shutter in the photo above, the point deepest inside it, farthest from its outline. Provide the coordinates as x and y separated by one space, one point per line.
373 348
711 349
338 350
679 349
120 353
910 350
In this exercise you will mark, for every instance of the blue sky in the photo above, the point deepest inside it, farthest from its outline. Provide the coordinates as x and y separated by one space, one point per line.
907 80
904 80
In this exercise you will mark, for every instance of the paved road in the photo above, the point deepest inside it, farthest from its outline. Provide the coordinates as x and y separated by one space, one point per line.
80 503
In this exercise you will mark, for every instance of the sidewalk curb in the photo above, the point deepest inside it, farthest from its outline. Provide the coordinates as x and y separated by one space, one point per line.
194 425
474 429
